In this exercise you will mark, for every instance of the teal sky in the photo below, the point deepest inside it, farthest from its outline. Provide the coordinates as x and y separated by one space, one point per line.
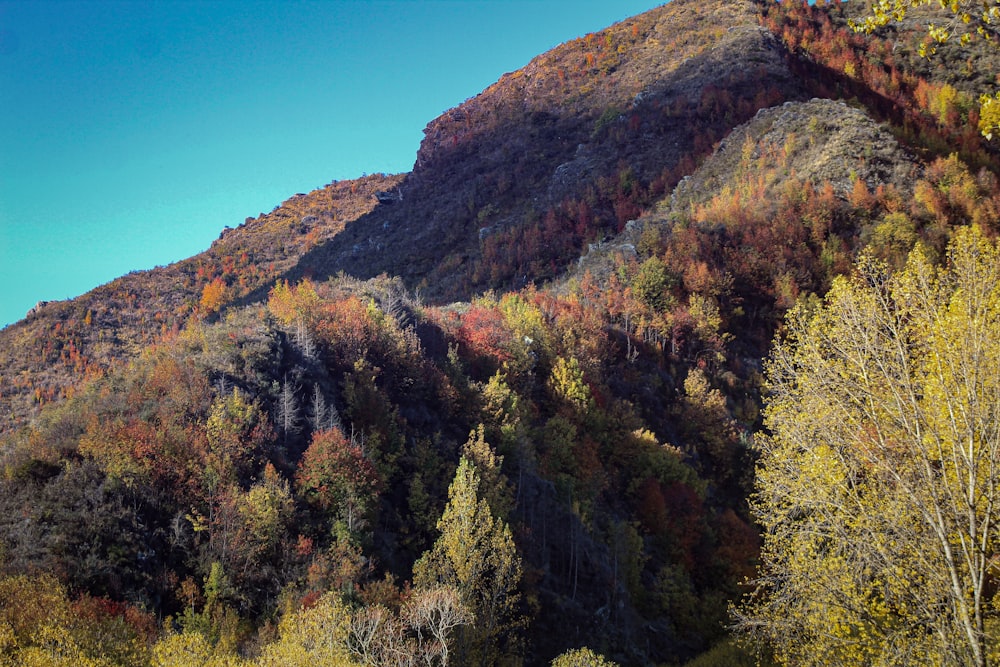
132 132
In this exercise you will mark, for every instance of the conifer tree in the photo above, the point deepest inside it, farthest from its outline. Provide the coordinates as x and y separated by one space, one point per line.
476 554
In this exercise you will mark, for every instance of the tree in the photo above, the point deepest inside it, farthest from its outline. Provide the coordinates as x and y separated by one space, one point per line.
435 611
308 637
336 477
213 296
878 487
236 432
289 416
496 490
582 657
322 415
476 554
964 19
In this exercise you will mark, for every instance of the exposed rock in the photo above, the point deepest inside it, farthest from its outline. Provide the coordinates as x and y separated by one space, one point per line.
388 196
37 308
818 141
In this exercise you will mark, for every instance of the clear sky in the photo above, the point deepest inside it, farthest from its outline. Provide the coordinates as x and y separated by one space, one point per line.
132 132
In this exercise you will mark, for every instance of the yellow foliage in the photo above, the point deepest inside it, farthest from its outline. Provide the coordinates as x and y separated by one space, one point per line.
582 657
312 637
213 296
191 649
989 114
568 384
965 19
476 554
877 486
294 303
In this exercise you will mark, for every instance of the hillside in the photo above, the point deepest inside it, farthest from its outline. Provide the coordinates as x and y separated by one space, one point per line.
507 189
510 186
62 342
549 333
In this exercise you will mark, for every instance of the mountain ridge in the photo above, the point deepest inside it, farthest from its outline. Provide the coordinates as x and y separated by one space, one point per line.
636 89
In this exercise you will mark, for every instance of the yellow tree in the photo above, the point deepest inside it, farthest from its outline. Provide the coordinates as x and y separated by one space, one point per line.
213 296
878 485
582 657
476 554
313 636
962 18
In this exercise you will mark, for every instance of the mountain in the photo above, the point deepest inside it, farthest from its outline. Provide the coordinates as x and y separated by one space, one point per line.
572 291
601 123
556 154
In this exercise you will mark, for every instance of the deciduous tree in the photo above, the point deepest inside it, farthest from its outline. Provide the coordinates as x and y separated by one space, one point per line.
963 19
878 485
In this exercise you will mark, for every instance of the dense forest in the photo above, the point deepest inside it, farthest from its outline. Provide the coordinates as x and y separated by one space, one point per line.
567 393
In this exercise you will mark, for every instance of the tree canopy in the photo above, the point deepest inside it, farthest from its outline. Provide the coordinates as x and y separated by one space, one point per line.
878 484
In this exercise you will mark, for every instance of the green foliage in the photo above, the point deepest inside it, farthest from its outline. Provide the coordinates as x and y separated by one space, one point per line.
493 483
567 384
652 284
336 476
617 403
476 554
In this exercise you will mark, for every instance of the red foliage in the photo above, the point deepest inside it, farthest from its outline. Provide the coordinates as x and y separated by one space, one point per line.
652 508
484 332
685 521
892 94
334 471
347 328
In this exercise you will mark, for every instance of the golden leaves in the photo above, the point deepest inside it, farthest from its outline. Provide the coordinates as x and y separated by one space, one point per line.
877 486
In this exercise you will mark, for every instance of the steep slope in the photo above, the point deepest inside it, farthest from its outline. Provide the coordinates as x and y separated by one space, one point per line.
268 449
794 146
508 187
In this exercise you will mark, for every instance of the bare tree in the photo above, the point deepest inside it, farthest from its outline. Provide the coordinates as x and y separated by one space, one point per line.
436 612
289 415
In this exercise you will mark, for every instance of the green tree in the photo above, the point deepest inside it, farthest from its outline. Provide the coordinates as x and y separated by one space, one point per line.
337 477
652 284
476 554
568 385
237 432
878 487
495 489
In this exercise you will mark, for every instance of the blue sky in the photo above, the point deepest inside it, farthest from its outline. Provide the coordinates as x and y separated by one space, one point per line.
132 132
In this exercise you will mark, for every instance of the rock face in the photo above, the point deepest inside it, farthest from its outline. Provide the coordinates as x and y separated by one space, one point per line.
37 308
819 141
